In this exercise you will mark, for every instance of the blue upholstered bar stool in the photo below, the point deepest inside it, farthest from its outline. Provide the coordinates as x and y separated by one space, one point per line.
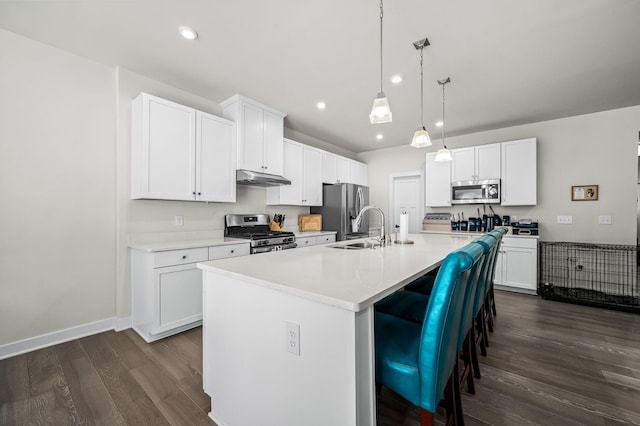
490 248
491 301
412 304
417 359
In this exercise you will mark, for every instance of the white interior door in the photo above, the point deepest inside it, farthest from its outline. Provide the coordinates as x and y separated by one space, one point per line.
406 196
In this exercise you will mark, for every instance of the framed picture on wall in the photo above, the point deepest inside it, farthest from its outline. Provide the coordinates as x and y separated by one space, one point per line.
584 193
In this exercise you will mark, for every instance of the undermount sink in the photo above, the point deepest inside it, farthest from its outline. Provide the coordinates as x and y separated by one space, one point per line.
354 246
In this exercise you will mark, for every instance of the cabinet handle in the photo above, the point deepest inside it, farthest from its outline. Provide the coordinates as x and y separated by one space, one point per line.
233 251
194 192
184 256
199 193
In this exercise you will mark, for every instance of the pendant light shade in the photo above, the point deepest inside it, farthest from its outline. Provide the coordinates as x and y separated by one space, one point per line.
421 137
443 153
380 111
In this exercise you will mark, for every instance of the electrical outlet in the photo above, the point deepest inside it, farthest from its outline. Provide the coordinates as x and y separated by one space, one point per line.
565 220
292 337
604 220
178 220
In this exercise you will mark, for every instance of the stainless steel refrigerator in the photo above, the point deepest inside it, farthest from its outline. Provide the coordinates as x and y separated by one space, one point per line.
341 204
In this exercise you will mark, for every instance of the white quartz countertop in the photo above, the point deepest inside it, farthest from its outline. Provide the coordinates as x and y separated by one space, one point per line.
185 244
347 279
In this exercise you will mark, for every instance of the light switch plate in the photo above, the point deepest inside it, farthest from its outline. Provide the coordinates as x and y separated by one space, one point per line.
178 220
604 220
565 220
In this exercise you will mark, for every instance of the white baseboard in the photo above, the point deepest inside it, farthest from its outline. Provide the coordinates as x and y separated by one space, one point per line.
61 336
123 323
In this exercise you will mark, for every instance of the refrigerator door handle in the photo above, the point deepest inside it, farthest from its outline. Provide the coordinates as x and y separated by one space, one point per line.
359 201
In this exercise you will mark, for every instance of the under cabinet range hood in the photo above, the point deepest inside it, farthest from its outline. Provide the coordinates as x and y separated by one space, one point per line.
249 177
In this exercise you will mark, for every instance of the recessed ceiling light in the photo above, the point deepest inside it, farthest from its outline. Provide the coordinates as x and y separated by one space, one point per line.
188 32
321 106
396 79
379 136
439 124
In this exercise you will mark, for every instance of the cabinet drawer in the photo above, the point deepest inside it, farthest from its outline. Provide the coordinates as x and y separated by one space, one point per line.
531 243
324 239
224 251
306 241
179 257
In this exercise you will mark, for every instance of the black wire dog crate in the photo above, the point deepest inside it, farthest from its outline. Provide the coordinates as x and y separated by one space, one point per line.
602 275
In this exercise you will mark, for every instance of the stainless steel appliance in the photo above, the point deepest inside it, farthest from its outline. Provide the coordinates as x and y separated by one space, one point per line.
476 192
256 227
341 204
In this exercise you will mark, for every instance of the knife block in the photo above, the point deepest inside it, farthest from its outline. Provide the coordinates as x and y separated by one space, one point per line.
275 227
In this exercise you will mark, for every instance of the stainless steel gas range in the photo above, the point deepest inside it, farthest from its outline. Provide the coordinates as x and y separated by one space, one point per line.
256 227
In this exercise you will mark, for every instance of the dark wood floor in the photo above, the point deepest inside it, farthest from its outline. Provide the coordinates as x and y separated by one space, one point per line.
549 363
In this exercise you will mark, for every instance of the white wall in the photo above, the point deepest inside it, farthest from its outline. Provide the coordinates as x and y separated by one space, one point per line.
591 149
57 186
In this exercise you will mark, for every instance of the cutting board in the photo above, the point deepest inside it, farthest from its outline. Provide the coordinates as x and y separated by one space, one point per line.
310 222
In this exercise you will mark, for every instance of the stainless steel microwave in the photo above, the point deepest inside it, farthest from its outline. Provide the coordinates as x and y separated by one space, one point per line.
476 192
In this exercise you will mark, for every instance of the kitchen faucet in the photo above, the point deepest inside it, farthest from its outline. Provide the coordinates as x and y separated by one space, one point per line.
384 238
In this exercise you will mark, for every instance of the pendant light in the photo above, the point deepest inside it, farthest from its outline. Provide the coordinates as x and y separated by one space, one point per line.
380 111
421 136
443 153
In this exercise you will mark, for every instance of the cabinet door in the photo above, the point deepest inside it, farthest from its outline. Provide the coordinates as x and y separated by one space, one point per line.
519 177
519 268
358 172
216 158
163 149
273 143
344 170
293 161
329 168
178 296
251 138
312 171
438 182
487 163
463 164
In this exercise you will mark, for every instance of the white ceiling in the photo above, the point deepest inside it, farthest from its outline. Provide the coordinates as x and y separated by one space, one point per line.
510 61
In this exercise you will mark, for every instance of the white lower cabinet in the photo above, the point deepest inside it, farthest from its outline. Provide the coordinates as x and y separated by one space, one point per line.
517 265
167 288
315 240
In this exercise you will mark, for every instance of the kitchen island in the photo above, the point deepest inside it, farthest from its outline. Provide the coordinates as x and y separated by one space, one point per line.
288 335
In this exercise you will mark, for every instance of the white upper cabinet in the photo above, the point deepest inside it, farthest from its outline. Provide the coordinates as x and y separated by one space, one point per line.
216 152
312 190
303 167
438 182
343 174
519 175
338 169
476 163
358 172
176 152
329 167
260 134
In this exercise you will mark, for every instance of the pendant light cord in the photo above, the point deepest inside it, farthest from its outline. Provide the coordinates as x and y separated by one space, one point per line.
421 88
381 15
443 144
